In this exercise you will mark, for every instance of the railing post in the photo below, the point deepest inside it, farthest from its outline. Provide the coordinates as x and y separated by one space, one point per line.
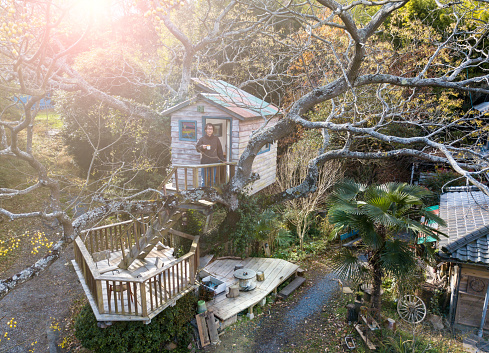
176 179
197 257
195 177
100 296
192 270
144 307
185 178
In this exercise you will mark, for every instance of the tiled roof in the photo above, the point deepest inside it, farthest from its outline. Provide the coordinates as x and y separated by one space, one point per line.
234 99
467 216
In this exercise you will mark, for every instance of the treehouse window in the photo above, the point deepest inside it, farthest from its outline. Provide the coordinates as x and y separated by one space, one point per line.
187 130
265 148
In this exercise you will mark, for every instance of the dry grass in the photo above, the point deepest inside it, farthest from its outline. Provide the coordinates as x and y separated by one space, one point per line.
24 241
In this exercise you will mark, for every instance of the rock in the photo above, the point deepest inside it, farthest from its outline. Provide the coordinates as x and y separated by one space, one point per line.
170 346
436 321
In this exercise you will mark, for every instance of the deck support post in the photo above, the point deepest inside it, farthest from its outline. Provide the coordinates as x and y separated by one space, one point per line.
250 314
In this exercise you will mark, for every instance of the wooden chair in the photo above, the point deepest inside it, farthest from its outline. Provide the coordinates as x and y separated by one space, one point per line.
119 288
101 255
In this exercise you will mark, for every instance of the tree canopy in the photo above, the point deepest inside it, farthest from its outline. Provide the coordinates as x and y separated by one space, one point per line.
377 79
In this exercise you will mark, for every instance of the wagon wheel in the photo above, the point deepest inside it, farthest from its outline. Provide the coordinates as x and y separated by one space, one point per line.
411 309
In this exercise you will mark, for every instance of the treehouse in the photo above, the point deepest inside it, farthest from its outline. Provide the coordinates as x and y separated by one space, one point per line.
235 114
133 270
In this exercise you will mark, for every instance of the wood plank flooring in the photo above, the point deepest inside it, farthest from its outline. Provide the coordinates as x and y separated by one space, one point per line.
138 267
276 272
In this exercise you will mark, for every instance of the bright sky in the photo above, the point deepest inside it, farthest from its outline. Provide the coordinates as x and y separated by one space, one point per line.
97 8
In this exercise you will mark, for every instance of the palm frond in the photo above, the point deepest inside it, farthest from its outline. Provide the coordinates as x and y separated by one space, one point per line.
380 216
431 217
370 236
417 191
420 229
347 190
397 258
346 265
284 237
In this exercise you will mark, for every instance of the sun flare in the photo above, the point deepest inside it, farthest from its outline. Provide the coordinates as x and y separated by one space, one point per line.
96 8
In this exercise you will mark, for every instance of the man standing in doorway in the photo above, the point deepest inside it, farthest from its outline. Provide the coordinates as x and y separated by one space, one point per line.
211 152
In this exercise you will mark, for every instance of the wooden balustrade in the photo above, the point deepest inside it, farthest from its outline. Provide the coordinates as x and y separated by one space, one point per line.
134 296
186 177
115 237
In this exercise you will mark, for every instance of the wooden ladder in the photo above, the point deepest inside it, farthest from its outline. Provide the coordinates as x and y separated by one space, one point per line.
146 243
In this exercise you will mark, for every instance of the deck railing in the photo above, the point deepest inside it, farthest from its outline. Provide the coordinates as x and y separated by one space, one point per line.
143 296
115 237
189 176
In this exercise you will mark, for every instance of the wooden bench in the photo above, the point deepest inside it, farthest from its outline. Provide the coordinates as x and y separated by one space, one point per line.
292 286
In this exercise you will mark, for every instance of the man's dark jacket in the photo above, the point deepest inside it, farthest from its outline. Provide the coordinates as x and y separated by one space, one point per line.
214 155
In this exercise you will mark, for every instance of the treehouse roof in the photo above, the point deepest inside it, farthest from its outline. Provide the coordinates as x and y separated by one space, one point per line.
238 103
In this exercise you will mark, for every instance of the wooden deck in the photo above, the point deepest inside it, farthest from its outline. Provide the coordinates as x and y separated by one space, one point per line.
144 288
139 268
276 272
126 301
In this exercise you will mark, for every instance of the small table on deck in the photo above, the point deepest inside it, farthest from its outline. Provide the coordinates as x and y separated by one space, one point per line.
246 279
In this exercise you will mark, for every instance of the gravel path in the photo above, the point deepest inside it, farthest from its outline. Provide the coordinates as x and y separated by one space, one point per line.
274 336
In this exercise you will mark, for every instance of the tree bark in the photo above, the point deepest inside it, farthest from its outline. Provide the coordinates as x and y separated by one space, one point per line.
377 281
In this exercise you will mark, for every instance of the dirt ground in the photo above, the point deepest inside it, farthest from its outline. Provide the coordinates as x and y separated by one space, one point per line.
313 319
39 305
302 323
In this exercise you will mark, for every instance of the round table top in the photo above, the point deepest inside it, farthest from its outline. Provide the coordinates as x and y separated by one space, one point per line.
244 273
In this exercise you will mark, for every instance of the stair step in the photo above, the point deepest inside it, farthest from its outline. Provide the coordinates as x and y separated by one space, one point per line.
149 240
292 286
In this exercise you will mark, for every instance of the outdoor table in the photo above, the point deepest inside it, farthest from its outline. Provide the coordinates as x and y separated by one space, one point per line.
246 279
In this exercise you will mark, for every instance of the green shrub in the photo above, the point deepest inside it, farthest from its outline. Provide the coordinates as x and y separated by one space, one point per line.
135 336
195 222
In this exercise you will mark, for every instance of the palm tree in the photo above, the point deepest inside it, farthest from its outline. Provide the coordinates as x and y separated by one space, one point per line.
379 213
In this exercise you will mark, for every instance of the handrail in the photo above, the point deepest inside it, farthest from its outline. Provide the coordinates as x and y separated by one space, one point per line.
167 178
204 165
88 259
192 178
182 234
113 224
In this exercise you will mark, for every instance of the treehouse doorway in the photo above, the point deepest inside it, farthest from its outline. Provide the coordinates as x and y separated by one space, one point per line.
222 130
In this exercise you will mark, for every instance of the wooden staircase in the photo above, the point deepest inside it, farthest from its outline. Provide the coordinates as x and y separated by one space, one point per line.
153 235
